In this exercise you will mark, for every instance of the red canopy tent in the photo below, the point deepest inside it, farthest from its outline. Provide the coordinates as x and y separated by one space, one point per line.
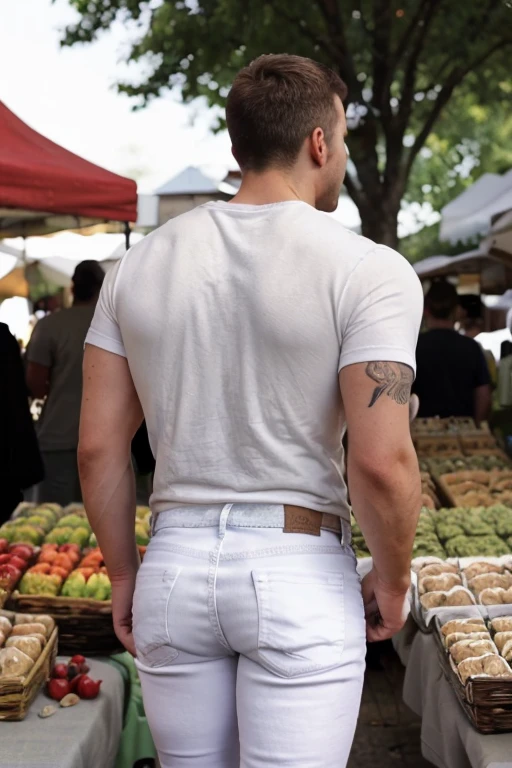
44 188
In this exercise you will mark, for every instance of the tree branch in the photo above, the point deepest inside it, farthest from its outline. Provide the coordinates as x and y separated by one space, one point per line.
307 32
354 192
453 80
335 28
382 23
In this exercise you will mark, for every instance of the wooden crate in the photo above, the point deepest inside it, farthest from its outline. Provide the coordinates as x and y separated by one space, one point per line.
85 625
17 694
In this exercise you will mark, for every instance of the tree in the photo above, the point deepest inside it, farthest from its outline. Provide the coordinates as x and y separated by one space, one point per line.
404 61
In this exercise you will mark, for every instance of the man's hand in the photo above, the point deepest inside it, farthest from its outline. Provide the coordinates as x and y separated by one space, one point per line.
386 608
122 600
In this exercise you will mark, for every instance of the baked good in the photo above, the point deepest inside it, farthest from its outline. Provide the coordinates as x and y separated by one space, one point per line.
477 569
48 622
455 596
28 629
14 663
436 569
490 581
468 649
489 665
500 638
497 596
506 651
455 637
465 626
5 626
23 618
2 638
41 638
29 645
443 582
502 624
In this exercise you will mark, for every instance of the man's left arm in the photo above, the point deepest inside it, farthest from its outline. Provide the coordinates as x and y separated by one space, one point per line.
111 415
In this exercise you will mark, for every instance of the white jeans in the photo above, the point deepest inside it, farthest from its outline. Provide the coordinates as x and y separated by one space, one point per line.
250 643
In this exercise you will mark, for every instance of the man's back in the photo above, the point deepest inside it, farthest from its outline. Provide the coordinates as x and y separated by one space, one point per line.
450 368
232 318
57 344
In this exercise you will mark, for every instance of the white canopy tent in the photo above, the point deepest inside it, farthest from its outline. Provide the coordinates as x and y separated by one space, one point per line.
470 214
57 257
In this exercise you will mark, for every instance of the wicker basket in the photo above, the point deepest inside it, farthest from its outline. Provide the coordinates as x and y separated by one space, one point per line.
17 693
85 625
487 702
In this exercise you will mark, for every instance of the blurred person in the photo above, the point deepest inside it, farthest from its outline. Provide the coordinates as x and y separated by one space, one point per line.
452 376
54 373
249 335
473 325
20 460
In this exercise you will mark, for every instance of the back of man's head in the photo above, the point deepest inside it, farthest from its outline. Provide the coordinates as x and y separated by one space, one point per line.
87 281
441 300
274 105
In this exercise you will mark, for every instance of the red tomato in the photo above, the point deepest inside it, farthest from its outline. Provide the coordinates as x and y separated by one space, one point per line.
5 559
4 546
24 551
18 562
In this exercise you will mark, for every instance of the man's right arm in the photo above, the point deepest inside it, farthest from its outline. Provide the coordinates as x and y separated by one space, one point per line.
384 482
39 355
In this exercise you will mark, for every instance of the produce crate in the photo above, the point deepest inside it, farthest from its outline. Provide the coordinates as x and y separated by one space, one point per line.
17 694
444 446
85 625
487 702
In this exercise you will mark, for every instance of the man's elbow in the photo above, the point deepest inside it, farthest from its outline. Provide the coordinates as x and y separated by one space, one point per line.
385 469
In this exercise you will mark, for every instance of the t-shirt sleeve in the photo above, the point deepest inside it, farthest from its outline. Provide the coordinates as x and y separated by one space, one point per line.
482 375
40 348
380 311
105 331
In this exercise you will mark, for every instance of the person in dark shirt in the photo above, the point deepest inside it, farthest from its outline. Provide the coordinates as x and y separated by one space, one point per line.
20 461
452 376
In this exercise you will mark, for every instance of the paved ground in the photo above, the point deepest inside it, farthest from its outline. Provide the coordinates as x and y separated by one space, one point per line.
388 733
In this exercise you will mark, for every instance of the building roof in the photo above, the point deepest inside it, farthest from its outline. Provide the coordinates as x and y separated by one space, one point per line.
191 181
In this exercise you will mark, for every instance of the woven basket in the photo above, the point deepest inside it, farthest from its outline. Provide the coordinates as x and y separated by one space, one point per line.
17 694
85 625
487 702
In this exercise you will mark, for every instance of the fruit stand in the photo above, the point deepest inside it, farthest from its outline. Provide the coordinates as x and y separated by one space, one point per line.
55 590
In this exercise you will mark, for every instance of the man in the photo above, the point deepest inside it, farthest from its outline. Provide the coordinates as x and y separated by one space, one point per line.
249 334
54 372
453 377
20 460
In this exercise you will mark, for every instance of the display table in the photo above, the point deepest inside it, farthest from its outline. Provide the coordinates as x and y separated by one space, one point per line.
448 739
84 736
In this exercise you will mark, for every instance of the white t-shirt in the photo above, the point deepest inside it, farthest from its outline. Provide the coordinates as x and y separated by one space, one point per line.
235 320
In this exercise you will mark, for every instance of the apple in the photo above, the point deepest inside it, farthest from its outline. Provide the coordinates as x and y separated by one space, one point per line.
4 546
18 562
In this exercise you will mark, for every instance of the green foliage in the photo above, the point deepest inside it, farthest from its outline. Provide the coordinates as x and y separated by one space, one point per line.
404 62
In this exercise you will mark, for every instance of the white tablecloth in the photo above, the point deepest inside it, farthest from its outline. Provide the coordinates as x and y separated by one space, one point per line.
448 738
84 736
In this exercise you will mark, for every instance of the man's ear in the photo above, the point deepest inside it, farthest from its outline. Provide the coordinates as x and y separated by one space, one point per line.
318 147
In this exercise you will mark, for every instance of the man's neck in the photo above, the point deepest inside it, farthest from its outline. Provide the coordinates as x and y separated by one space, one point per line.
272 186
433 324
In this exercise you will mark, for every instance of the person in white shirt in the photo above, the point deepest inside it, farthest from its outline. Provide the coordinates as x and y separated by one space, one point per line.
250 335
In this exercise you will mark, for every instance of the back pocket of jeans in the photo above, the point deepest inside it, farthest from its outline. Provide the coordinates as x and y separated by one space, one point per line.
152 603
301 621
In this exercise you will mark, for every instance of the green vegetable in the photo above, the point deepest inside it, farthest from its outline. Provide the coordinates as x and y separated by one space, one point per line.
141 534
59 535
80 536
74 586
98 587
74 521
447 530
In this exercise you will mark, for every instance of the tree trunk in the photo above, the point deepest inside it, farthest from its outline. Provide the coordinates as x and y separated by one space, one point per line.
380 225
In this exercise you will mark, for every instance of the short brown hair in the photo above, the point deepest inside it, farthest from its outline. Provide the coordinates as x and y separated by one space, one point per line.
274 105
441 300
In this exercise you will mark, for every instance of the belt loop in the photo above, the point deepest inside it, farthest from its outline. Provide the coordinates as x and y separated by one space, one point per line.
223 520
152 524
346 533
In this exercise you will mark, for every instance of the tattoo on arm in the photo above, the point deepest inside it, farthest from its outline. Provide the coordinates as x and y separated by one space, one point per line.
394 379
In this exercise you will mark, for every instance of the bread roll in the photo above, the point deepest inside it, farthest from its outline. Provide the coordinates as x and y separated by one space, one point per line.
455 637
500 638
468 649
492 596
502 624
5 626
23 618
29 629
14 663
489 665
48 622
478 569
436 569
41 638
456 596
465 626
29 645
2 638
490 581
443 583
